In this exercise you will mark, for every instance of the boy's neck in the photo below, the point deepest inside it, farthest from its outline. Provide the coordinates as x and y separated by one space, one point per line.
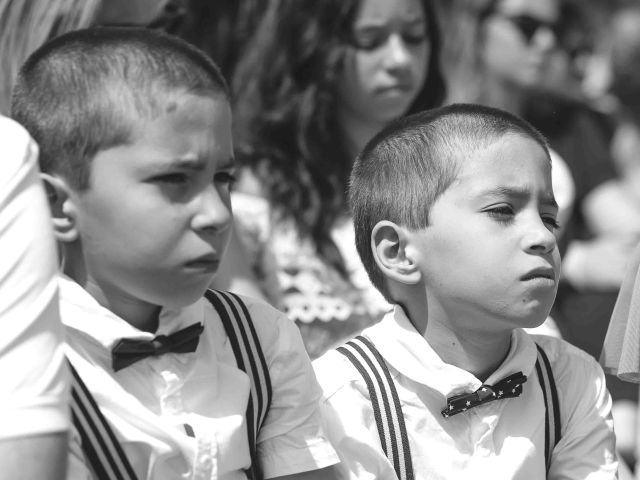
477 351
478 355
140 315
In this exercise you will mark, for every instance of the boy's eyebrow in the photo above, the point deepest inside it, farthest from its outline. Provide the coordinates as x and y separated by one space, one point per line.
186 163
519 193
196 163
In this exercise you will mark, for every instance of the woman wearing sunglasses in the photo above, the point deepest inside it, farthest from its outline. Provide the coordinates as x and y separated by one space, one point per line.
515 41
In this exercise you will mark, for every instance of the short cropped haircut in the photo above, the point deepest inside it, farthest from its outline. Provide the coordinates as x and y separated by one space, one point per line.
85 91
403 170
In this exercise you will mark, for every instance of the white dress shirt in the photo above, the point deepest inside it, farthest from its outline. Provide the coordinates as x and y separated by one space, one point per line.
502 439
34 387
149 402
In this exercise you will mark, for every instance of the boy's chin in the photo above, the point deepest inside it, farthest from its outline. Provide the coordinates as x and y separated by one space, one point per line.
180 299
535 321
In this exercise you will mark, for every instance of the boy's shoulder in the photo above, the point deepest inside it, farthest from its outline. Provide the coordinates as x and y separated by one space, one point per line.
262 314
276 332
562 354
576 373
335 371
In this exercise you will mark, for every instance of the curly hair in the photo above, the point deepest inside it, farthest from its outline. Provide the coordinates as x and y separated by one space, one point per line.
285 110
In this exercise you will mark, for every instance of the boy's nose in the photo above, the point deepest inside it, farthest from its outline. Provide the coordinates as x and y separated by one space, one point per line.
213 211
539 239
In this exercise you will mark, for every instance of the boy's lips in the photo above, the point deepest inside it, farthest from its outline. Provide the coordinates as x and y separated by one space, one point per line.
538 273
208 262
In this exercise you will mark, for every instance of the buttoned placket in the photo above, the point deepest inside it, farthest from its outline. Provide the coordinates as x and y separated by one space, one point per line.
171 368
484 422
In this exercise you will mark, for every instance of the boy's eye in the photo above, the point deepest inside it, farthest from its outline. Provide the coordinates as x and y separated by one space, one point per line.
224 177
550 222
172 178
502 213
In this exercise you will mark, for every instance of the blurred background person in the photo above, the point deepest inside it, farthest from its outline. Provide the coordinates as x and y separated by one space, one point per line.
317 81
34 410
27 24
221 28
622 50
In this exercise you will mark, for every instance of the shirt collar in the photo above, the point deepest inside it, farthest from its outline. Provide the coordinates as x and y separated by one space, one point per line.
80 311
411 355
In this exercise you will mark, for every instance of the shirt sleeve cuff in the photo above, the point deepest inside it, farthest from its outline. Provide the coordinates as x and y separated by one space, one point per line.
315 456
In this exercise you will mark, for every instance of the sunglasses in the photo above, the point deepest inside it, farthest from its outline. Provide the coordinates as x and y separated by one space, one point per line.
528 26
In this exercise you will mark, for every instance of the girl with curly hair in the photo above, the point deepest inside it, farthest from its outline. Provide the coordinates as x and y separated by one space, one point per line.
318 80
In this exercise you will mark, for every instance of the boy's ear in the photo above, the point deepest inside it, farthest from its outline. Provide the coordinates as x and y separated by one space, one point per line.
389 242
63 210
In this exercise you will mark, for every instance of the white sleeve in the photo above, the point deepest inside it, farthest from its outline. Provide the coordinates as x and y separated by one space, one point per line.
586 450
34 386
349 421
292 439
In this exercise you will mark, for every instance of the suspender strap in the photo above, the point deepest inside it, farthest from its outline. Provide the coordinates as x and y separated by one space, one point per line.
386 404
250 359
552 427
99 443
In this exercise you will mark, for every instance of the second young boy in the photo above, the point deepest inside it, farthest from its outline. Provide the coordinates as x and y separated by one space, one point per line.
455 217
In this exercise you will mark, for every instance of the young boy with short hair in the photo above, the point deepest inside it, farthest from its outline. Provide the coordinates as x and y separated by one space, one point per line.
455 217
134 129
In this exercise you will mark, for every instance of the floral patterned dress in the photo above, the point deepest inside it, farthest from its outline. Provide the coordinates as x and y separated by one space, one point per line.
327 306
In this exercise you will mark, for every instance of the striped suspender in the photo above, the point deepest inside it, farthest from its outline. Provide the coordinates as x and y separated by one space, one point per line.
388 412
386 404
100 446
552 430
249 358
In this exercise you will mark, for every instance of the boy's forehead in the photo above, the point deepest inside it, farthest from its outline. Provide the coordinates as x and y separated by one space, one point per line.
506 147
188 133
187 113
512 158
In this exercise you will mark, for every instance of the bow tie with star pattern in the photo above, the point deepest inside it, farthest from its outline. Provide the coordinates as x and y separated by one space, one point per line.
506 388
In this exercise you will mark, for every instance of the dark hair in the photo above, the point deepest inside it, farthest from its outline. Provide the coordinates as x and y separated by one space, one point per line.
84 91
221 28
405 168
285 110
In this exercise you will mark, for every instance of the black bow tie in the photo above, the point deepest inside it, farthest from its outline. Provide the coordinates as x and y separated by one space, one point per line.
506 388
127 351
